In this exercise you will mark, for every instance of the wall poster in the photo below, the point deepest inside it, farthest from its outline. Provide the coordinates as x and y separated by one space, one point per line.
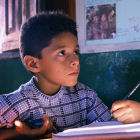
108 25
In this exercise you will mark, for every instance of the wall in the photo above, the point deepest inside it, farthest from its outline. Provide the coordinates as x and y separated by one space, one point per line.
111 74
12 75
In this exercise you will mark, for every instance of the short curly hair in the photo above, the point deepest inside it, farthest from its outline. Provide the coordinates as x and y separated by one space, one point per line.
38 31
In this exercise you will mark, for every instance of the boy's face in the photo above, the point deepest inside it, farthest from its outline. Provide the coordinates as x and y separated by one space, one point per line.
59 64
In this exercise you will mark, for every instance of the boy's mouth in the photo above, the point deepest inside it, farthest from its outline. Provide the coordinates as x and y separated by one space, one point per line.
75 73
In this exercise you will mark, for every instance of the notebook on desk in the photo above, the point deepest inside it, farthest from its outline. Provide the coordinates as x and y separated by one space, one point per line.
100 130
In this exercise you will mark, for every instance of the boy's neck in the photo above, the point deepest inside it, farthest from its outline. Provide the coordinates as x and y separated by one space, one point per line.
45 87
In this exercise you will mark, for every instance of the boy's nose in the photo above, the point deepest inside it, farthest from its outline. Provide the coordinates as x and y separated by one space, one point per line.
74 60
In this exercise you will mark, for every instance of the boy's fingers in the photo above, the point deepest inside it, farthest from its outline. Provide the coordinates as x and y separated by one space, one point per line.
23 128
44 117
19 126
9 125
47 123
120 112
122 118
18 123
41 130
45 127
2 125
119 104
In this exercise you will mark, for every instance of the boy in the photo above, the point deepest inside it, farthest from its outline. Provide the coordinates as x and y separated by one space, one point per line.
49 50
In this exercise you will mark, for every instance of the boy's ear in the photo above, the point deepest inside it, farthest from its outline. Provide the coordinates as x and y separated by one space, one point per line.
32 63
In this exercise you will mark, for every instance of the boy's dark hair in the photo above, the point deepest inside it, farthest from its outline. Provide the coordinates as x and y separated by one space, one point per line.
39 30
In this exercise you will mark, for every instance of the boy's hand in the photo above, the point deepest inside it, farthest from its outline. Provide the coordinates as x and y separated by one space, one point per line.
126 111
9 125
2 125
24 129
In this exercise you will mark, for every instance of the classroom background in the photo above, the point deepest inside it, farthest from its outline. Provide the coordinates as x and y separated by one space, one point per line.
111 74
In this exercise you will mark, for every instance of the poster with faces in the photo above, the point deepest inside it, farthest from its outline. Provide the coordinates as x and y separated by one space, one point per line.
108 25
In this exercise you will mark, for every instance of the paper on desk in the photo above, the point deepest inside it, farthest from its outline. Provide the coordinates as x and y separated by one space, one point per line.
101 128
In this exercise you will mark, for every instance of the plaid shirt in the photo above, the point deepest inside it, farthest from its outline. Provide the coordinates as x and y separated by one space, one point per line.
70 107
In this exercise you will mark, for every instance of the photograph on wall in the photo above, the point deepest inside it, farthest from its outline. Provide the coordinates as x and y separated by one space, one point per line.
101 22
108 25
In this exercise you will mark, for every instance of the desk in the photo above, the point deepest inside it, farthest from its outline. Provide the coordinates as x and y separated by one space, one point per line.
118 136
101 131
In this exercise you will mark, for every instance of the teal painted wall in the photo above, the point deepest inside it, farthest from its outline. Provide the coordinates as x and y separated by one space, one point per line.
12 75
112 74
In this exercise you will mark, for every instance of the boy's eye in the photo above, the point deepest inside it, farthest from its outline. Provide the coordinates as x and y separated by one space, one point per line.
76 52
62 53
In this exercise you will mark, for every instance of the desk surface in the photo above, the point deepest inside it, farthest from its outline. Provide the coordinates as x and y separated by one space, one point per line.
119 136
101 131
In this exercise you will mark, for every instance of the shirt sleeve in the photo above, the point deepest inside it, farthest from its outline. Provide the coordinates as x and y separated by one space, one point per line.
98 111
8 114
12 109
